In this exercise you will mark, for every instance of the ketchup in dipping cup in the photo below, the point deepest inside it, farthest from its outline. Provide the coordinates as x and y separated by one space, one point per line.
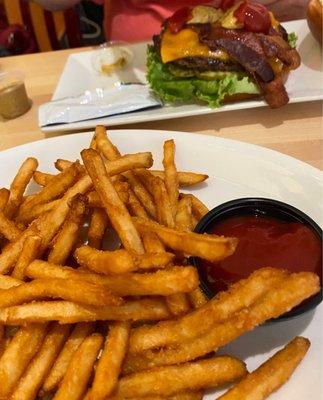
271 234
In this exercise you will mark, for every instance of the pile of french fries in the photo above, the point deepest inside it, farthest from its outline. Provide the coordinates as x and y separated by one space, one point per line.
97 297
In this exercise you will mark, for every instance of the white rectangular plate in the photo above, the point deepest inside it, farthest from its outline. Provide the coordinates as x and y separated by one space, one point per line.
78 75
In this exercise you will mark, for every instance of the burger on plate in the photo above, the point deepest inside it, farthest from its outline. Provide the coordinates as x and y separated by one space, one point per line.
215 55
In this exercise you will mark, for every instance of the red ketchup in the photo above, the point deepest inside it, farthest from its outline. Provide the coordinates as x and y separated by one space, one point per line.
263 242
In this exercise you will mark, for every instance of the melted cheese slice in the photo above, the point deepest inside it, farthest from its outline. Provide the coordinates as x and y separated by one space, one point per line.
186 44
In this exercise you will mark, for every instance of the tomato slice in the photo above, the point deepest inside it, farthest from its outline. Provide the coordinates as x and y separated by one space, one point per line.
254 16
178 20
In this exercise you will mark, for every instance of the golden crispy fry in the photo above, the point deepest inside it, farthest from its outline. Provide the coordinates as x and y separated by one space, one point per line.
163 206
120 261
142 193
280 299
2 339
45 226
40 365
8 228
208 247
197 298
39 209
162 282
17 356
79 371
178 303
271 375
67 237
59 185
66 312
122 189
7 282
184 178
152 244
4 197
199 209
170 380
117 212
241 295
109 365
57 372
196 395
108 149
183 218
18 186
79 291
98 225
30 251
135 207
42 178
171 179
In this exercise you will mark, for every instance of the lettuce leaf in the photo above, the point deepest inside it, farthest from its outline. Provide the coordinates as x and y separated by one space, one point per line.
292 39
176 89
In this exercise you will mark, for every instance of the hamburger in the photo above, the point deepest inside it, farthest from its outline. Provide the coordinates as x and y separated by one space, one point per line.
215 55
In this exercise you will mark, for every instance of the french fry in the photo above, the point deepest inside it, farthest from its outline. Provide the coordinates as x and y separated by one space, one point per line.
271 375
30 251
59 185
79 291
116 210
119 165
241 295
142 193
8 228
122 188
152 243
40 365
135 207
164 208
66 312
7 282
288 294
120 261
199 208
108 149
39 209
4 197
185 179
170 380
183 217
2 339
161 282
58 370
42 178
98 225
171 179
79 371
67 237
178 303
17 356
208 247
18 186
197 298
195 395
45 226
109 365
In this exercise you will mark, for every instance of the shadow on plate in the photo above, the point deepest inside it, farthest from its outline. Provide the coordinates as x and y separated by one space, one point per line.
311 53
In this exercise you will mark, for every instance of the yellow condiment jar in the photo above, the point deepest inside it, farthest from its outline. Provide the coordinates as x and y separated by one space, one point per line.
13 96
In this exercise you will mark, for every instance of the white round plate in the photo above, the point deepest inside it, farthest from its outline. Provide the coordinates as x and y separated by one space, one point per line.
236 170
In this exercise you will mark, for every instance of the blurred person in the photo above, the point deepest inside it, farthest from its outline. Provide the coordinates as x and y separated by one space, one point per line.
139 20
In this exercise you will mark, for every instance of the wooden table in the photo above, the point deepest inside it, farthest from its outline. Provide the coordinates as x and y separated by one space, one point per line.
295 130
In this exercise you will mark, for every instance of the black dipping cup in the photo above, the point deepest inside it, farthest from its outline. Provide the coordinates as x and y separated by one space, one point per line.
262 207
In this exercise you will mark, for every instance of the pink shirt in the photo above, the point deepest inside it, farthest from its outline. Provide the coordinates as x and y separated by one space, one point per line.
139 20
